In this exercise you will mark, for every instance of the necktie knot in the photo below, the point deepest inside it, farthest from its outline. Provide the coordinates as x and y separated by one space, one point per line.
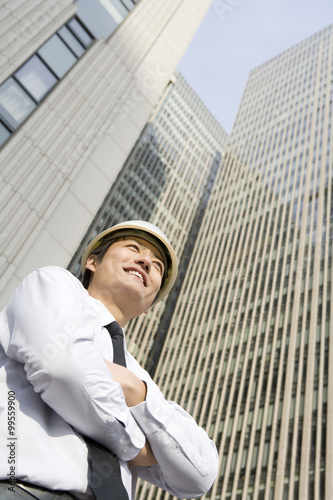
114 329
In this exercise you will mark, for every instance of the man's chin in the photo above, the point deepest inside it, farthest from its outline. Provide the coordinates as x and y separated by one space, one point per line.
135 300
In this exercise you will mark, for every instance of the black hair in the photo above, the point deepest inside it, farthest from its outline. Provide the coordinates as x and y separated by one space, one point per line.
99 253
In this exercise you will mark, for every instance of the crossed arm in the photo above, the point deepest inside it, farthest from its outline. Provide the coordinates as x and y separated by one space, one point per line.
64 367
135 391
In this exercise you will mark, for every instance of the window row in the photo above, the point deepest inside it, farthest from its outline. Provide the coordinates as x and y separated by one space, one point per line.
27 87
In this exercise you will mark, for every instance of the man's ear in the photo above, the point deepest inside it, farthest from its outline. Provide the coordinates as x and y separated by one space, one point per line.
91 262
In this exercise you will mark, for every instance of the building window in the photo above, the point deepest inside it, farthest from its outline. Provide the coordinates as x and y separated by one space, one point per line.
57 56
15 104
102 17
4 133
80 32
35 78
27 87
77 46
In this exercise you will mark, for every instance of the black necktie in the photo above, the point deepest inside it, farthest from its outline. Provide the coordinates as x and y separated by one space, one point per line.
117 337
105 478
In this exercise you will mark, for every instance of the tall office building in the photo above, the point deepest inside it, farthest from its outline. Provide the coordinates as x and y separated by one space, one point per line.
78 81
249 349
167 179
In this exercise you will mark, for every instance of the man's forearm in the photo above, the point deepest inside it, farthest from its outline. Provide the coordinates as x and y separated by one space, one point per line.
144 458
134 389
135 393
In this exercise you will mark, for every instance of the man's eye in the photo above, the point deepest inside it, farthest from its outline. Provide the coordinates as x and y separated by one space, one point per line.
159 265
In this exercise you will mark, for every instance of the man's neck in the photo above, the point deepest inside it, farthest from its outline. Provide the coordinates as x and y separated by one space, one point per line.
114 309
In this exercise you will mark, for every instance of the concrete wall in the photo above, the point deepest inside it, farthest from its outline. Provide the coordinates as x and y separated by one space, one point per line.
57 168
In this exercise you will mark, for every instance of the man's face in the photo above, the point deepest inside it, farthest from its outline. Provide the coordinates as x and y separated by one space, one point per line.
129 275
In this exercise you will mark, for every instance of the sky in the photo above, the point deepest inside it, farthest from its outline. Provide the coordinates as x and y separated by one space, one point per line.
239 35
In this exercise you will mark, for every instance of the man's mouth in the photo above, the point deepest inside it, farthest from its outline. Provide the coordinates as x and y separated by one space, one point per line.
139 275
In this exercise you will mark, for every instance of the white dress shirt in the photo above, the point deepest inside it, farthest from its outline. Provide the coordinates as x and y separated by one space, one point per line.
52 345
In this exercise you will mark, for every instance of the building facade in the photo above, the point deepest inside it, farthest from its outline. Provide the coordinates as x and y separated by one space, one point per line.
248 348
78 82
167 179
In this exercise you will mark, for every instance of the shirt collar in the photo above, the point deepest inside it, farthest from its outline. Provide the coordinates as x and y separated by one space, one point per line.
102 312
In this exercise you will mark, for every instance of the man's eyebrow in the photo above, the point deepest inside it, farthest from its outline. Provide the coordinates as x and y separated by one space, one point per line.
153 250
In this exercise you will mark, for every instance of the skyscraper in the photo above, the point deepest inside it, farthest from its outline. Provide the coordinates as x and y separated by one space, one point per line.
78 83
167 179
248 349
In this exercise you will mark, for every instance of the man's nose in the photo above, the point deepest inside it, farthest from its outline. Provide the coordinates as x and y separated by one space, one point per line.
144 259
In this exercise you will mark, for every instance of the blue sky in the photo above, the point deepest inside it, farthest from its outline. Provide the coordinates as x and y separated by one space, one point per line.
238 35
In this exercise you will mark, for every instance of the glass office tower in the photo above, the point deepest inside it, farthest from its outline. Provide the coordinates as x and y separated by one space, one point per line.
167 179
249 349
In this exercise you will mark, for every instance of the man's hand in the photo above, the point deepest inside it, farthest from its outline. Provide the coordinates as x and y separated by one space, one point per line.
134 389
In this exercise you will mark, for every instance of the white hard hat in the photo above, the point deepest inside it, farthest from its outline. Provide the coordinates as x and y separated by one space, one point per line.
146 231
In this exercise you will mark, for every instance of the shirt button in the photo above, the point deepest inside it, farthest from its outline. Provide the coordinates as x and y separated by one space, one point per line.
125 449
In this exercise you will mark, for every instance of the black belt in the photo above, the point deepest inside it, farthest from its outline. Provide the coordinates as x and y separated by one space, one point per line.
27 491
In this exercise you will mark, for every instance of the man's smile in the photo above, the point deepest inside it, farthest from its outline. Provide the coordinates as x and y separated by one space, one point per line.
139 274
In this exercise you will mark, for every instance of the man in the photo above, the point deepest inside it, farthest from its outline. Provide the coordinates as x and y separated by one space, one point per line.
64 392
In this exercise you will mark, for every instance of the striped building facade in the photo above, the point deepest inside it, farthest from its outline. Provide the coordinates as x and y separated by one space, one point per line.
249 349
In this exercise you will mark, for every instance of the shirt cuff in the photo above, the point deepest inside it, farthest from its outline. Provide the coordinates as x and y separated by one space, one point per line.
117 430
159 418
131 439
153 413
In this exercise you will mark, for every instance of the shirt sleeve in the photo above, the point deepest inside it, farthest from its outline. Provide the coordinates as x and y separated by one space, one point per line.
51 330
187 458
